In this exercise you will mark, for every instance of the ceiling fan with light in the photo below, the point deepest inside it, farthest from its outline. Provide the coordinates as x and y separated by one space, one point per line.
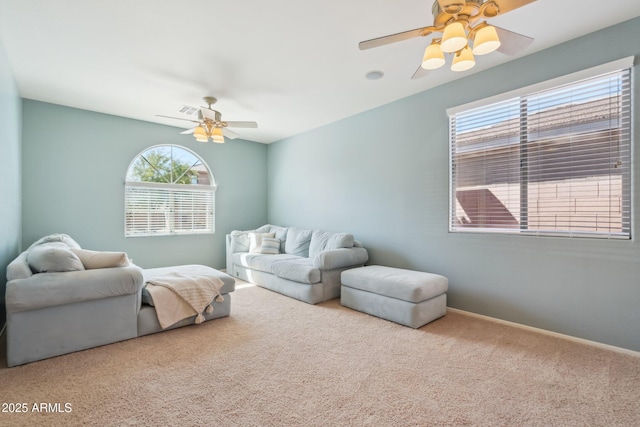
210 124
464 33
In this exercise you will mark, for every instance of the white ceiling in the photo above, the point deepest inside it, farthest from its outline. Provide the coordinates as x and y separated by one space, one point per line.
290 65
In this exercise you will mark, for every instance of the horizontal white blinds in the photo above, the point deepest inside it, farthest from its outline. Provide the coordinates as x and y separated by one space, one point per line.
552 162
168 209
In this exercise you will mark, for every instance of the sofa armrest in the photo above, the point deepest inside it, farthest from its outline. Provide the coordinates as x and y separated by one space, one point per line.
340 258
53 289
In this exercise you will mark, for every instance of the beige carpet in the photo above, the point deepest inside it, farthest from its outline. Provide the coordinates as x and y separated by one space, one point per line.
280 362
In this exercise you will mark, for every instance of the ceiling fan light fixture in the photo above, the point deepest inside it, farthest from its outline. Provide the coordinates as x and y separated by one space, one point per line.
463 60
433 57
217 135
454 38
200 134
486 40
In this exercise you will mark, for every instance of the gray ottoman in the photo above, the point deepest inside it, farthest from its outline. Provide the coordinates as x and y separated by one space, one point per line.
411 298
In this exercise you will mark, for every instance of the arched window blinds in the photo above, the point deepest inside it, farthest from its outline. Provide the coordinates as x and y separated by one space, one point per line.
169 190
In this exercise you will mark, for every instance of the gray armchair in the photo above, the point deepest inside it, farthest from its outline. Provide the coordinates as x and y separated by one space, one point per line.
53 313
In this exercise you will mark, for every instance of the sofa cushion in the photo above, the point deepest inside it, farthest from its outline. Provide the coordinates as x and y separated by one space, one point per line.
324 240
298 241
270 246
299 270
255 241
266 262
97 259
53 257
244 259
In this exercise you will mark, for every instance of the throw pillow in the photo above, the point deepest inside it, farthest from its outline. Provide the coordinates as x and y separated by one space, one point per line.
53 257
270 246
255 241
95 259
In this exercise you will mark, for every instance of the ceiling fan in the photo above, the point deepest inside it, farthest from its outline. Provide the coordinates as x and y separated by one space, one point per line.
464 32
210 123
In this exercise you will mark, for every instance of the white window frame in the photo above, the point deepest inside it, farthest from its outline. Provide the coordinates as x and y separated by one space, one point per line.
145 192
623 65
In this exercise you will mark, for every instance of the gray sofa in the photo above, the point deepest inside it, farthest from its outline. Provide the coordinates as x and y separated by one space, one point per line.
55 305
300 263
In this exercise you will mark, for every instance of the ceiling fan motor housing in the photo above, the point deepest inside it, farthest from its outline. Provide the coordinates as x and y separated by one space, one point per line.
456 10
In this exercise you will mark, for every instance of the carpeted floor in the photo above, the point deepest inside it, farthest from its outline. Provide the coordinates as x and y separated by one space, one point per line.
280 362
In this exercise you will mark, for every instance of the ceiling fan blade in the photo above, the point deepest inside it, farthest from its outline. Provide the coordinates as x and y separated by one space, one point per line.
509 5
208 114
420 73
242 124
230 134
188 131
177 118
512 43
393 38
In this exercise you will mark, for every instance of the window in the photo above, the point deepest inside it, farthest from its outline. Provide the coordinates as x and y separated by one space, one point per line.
554 160
169 190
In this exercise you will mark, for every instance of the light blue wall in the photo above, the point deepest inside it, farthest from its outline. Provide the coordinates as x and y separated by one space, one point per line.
10 118
383 175
74 167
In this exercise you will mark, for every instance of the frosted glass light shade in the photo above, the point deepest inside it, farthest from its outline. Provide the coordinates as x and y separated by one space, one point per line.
486 41
433 57
463 60
200 134
454 38
217 136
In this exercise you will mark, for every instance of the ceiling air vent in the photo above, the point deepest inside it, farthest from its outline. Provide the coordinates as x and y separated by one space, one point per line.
189 111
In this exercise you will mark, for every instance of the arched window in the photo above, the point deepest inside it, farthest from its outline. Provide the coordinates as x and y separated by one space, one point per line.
169 190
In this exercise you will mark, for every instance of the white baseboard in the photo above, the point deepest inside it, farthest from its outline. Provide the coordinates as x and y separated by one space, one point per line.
550 333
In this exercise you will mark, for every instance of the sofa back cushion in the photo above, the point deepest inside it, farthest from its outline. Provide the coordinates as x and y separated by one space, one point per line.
325 240
298 270
239 241
298 241
53 257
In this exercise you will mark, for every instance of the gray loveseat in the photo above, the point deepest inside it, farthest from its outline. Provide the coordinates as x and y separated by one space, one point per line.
300 263
97 298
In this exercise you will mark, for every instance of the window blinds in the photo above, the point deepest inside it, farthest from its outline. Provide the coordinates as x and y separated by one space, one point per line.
556 161
168 209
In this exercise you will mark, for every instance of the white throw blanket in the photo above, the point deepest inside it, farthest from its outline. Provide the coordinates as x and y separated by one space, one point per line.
178 296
